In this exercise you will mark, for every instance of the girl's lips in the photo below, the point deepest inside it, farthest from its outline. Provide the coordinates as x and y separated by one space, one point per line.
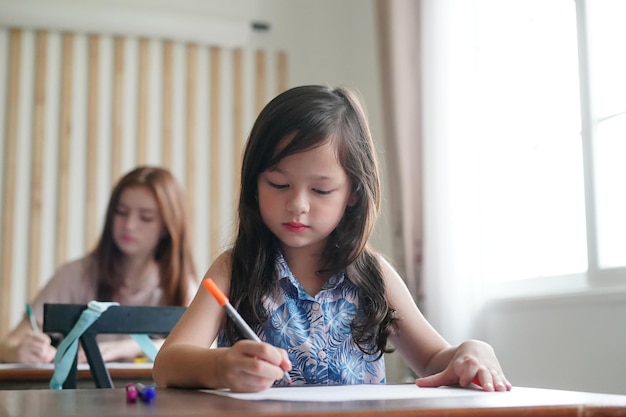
295 227
127 238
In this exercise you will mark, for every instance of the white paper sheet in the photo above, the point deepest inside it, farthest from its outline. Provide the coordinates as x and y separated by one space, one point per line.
325 393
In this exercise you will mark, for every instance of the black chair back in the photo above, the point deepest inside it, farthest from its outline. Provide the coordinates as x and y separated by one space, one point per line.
61 318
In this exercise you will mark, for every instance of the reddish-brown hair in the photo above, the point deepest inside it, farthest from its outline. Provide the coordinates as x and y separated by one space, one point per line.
173 252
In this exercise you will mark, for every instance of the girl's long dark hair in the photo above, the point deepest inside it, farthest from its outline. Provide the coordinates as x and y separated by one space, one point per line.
314 115
173 252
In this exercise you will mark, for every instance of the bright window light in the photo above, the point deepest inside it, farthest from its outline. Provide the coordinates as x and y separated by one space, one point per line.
607 34
528 107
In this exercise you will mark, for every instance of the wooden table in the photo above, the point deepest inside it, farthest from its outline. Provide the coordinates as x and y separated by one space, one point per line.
186 403
21 376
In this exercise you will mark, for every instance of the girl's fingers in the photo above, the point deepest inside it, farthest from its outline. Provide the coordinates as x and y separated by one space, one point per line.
254 366
500 383
264 351
285 364
492 381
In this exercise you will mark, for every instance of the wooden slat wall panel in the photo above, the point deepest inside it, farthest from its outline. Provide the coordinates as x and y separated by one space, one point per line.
91 209
238 117
36 186
214 151
142 104
218 105
281 71
118 109
9 175
260 79
166 107
190 130
65 137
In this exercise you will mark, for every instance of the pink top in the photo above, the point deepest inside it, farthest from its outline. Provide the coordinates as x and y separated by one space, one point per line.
75 283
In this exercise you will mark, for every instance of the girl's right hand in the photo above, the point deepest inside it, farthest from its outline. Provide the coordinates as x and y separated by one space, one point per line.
35 347
250 366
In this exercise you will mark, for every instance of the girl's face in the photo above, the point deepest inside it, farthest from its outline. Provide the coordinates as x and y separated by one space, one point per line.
137 222
303 198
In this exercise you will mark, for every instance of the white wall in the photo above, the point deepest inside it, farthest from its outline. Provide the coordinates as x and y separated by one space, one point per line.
570 342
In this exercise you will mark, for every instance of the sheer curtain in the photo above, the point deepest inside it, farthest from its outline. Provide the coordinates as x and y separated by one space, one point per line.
399 43
428 71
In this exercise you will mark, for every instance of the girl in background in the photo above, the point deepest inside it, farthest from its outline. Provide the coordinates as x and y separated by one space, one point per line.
143 258
324 303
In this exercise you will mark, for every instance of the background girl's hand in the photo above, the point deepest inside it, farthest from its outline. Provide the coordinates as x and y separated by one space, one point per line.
35 347
124 350
471 359
250 366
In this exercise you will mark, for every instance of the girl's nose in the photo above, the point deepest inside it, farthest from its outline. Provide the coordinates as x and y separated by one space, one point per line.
297 203
130 222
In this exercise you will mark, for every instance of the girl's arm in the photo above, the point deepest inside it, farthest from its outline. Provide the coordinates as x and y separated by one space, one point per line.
187 360
428 353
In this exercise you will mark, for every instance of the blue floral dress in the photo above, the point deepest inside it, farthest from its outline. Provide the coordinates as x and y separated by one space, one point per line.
315 332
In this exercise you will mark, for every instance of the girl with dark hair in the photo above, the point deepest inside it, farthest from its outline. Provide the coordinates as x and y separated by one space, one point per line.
302 274
143 257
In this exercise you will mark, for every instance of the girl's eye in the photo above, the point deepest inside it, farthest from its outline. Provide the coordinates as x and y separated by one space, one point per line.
321 192
146 219
120 212
278 186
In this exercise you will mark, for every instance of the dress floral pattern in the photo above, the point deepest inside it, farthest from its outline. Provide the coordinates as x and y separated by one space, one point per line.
315 332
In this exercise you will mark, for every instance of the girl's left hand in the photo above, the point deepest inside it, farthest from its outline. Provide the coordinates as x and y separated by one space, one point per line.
471 359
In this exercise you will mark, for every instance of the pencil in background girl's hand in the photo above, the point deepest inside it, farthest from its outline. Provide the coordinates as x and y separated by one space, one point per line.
31 318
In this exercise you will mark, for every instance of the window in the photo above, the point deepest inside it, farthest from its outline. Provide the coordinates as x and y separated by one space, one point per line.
607 119
552 106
